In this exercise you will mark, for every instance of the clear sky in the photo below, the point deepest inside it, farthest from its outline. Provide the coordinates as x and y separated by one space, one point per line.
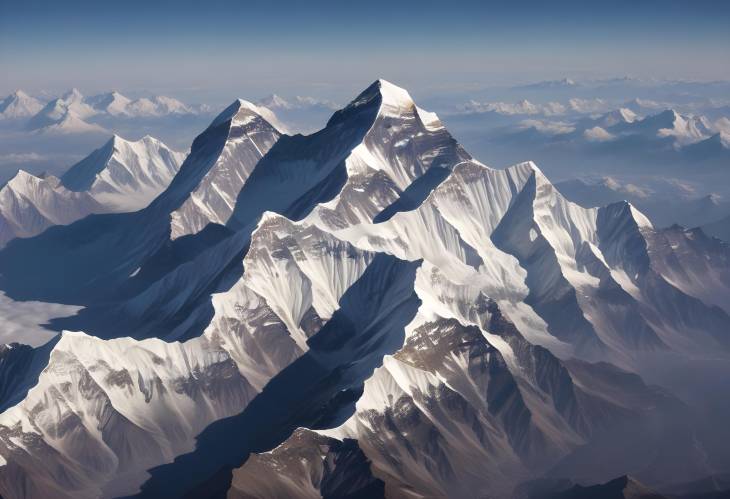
329 48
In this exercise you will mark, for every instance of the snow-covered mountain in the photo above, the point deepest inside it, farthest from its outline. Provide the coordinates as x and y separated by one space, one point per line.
664 203
65 115
30 204
66 124
681 129
116 104
75 113
276 102
19 105
120 176
124 175
366 311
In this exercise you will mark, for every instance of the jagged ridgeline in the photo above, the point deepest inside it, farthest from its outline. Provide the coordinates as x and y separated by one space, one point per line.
366 311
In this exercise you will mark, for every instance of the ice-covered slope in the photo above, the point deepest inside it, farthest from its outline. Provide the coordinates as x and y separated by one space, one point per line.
30 204
375 281
251 133
680 129
65 114
120 176
69 123
125 175
19 105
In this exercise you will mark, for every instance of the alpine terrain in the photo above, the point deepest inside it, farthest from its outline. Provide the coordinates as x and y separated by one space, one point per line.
366 311
120 176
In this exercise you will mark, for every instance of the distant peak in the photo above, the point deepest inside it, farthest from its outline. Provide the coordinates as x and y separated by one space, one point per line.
669 114
274 101
627 114
22 179
74 93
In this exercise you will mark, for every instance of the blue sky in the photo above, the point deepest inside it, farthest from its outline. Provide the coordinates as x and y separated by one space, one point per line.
334 48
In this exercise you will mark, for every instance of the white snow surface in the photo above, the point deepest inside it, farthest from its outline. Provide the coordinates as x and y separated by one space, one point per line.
19 105
125 175
487 242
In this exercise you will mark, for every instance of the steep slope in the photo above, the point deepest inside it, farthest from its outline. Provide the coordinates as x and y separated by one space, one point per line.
370 281
114 384
121 176
252 132
65 114
124 175
30 204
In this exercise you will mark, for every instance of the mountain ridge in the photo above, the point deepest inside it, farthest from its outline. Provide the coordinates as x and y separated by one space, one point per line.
425 306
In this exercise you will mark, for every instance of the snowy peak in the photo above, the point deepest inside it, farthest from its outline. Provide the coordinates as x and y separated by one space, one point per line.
242 112
71 123
388 99
74 101
277 102
73 95
65 115
112 103
274 101
116 104
74 104
621 115
395 99
30 204
419 281
681 130
684 129
240 136
120 176
19 105
125 175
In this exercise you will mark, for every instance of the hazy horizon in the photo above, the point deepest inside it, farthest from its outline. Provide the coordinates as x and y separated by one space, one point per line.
229 49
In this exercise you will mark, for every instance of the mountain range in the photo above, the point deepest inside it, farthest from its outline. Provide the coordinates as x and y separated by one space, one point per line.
665 204
75 113
19 105
120 176
364 311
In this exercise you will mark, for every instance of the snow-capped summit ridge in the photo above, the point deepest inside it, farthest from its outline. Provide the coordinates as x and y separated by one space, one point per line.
123 174
242 111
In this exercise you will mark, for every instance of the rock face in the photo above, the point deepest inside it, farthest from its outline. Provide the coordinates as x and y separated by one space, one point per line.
366 311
